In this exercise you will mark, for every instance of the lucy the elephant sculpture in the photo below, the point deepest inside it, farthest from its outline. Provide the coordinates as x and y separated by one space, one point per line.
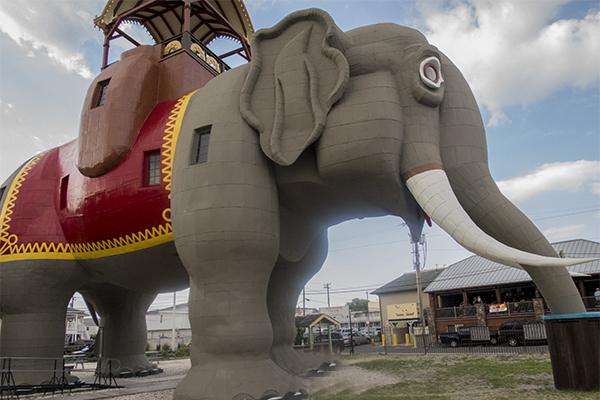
321 127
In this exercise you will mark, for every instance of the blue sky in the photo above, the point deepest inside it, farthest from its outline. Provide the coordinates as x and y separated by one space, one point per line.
534 67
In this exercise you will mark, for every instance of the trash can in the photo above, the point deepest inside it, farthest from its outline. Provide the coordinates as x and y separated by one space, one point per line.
574 350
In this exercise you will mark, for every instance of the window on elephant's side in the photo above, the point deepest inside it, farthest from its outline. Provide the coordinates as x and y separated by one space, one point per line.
101 93
152 167
64 187
200 148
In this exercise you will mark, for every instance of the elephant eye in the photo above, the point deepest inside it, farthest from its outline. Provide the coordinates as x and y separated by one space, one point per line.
431 72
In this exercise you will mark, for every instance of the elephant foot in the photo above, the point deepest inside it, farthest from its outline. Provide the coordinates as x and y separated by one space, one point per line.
241 379
127 364
296 362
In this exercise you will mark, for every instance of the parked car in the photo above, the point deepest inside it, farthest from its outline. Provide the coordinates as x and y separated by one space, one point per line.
469 336
70 347
357 338
369 332
337 341
522 332
87 351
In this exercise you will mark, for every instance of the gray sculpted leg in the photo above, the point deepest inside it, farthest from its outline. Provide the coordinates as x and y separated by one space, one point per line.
33 298
122 334
232 333
225 216
286 284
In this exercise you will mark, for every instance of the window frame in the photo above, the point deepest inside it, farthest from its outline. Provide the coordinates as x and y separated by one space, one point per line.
148 168
201 141
100 95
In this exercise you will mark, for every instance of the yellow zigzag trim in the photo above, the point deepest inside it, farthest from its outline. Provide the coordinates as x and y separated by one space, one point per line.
10 250
172 133
9 204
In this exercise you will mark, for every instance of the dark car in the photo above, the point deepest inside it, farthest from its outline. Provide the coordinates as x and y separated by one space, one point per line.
522 332
469 336
337 341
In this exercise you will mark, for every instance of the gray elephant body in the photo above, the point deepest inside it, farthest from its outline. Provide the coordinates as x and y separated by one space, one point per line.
323 126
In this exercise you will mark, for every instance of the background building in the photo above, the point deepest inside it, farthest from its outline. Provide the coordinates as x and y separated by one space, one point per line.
164 326
398 298
360 319
479 292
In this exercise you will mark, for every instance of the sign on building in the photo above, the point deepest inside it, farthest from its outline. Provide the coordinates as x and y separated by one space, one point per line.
402 311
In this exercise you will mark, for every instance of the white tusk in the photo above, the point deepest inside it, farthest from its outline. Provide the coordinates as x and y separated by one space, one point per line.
432 190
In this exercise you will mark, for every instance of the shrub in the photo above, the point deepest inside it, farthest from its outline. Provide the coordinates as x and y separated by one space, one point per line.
183 350
299 336
166 349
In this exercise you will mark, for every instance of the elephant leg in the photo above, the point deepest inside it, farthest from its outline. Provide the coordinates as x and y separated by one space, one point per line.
229 259
286 283
231 329
34 296
122 335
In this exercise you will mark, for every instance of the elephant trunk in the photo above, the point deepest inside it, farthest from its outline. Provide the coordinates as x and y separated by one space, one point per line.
477 215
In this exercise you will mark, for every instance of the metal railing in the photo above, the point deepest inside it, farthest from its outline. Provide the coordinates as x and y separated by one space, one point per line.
590 303
58 369
513 308
202 53
455 312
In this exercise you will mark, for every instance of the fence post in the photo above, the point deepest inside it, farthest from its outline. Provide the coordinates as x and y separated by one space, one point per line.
480 311
538 309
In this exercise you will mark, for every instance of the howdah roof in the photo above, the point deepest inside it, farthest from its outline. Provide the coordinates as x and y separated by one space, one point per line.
165 18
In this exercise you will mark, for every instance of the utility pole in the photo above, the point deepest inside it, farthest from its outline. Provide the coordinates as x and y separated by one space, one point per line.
368 321
304 301
173 333
418 275
350 324
327 286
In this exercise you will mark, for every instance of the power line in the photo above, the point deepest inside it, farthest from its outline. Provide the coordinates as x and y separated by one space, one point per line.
568 215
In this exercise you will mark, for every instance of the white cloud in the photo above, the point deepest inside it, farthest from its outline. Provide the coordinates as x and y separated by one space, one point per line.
6 107
564 232
509 52
498 118
34 27
559 176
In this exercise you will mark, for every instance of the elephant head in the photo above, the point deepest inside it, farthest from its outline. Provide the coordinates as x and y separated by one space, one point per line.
380 102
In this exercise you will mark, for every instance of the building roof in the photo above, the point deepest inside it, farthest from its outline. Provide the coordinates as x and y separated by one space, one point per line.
164 18
408 282
308 321
476 271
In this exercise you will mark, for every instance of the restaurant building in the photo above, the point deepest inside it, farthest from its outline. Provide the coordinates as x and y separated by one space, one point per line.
480 292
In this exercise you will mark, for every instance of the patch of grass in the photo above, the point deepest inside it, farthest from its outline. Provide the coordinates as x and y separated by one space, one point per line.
457 376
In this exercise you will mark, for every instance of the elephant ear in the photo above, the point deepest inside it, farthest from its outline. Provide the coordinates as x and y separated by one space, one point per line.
298 71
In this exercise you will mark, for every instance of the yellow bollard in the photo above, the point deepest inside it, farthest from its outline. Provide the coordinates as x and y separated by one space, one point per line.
395 339
383 340
415 340
407 338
